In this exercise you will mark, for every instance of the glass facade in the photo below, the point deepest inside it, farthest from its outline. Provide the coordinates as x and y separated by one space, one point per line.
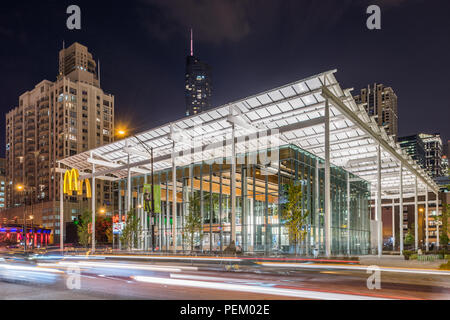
260 198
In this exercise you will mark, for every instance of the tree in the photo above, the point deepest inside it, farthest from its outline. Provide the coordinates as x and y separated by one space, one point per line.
443 238
103 229
131 230
84 234
409 238
193 222
294 215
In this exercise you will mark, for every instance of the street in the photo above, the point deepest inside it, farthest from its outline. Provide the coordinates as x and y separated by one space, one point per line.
105 278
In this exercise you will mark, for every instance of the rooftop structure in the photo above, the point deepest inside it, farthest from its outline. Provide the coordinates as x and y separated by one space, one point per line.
314 114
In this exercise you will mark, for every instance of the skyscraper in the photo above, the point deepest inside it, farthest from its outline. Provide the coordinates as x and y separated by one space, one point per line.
197 84
2 184
381 102
415 147
448 149
433 154
55 120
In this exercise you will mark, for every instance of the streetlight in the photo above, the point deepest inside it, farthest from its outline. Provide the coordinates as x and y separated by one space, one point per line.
122 132
32 231
20 188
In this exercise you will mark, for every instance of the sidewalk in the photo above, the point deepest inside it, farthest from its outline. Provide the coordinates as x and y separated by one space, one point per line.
399 261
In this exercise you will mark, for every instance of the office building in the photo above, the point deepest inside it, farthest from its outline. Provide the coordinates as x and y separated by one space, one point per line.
52 121
448 149
380 102
415 147
433 154
198 84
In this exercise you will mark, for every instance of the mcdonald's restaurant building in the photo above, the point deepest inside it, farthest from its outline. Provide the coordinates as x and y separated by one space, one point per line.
260 198
326 143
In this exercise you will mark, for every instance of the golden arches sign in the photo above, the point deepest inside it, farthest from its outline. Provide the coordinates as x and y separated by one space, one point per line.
73 183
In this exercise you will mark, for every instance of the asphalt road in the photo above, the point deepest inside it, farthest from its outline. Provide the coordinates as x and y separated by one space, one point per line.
120 279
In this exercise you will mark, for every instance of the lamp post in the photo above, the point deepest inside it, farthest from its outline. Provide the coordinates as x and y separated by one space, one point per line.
102 211
32 232
122 133
21 189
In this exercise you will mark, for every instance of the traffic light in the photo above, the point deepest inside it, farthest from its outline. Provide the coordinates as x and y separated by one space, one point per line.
77 220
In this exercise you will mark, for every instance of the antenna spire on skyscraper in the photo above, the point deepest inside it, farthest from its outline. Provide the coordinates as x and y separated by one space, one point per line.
192 44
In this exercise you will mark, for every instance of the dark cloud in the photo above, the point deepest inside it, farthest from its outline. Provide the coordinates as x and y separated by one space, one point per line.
219 21
214 21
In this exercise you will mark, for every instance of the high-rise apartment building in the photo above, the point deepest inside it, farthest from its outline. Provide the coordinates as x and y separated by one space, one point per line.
197 84
415 147
55 120
381 102
433 154
448 149
2 184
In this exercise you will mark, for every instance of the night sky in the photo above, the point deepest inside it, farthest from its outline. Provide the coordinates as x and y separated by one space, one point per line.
252 45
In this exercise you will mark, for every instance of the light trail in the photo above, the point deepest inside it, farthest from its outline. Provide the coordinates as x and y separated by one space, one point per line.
122 266
306 294
364 268
207 278
27 268
170 258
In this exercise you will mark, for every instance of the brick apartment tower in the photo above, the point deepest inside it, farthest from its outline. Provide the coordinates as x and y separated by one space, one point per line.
55 120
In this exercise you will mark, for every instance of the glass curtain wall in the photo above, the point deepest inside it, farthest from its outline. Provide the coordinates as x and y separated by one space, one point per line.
260 200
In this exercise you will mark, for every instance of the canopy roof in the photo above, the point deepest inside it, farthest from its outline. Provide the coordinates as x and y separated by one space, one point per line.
295 111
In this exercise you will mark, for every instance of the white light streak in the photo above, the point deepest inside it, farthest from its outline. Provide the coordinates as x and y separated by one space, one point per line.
252 289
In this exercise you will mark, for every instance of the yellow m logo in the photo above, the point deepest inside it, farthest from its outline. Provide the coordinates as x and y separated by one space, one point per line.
88 188
73 183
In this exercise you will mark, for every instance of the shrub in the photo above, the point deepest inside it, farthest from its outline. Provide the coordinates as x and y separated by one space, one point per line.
445 266
443 254
407 254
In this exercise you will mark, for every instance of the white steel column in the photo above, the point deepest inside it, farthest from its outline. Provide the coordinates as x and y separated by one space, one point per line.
426 219
174 199
145 223
378 207
317 215
416 218
327 227
61 211
140 213
436 219
93 207
393 225
348 213
128 187
400 222
233 187
120 215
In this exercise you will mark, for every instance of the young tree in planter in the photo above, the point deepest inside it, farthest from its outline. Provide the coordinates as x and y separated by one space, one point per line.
131 230
193 222
294 216
83 228
443 228
103 229
409 238
443 238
